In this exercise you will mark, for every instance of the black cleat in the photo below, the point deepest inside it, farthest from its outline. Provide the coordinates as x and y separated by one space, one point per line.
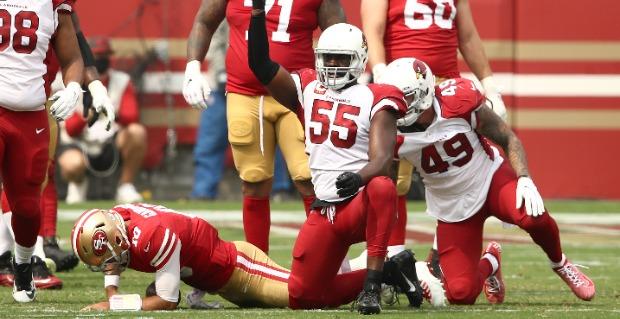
23 286
369 301
433 263
65 261
400 272
6 269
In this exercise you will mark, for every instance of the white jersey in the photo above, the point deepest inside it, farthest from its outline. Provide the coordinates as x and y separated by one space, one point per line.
337 127
26 29
456 164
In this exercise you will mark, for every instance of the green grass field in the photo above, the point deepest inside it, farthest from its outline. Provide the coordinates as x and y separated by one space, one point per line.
533 290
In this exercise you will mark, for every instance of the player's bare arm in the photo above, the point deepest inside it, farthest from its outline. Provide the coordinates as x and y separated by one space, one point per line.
470 44
493 127
330 12
208 18
381 146
65 46
275 78
374 16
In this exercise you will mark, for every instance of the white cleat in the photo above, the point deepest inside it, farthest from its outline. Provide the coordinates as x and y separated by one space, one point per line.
127 193
431 285
76 192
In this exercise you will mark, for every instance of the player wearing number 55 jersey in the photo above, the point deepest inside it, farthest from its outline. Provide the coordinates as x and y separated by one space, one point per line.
350 129
467 181
256 122
28 30
176 247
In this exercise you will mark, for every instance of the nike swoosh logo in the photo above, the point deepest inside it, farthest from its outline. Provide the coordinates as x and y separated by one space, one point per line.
148 246
39 130
43 281
411 285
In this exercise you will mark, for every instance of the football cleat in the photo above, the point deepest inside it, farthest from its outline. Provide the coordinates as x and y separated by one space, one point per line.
6 270
64 260
578 282
433 263
369 301
194 301
23 287
42 276
494 287
432 287
400 272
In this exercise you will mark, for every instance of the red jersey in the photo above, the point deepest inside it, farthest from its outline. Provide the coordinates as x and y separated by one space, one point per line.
290 25
426 30
154 233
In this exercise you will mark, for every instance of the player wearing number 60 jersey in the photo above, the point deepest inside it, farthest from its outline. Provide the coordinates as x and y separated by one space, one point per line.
28 30
468 181
176 247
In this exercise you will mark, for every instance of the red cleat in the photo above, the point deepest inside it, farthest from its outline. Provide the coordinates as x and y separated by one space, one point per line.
6 280
494 287
578 282
43 278
6 270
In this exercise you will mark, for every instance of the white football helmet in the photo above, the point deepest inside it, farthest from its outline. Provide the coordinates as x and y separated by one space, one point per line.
99 239
415 79
341 39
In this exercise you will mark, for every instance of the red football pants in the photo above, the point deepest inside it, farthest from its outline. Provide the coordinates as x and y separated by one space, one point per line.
460 244
24 140
321 246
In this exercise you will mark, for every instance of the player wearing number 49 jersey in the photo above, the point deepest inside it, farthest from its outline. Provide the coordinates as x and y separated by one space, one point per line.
467 181
176 247
28 30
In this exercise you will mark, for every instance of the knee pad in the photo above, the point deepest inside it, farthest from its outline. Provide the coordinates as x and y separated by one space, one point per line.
462 292
301 172
381 186
27 208
253 174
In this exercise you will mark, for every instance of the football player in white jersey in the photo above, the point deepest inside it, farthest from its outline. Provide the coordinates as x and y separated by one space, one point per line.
350 132
445 133
29 29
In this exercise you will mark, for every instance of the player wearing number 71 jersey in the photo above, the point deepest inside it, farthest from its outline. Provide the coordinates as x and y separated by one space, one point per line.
467 181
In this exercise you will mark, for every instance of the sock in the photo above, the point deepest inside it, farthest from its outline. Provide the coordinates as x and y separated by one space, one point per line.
8 216
38 248
308 200
399 231
492 261
257 221
49 205
6 240
373 279
558 264
23 254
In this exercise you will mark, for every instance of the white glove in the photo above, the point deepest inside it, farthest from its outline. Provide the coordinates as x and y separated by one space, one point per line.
493 94
65 101
528 193
196 90
377 72
102 102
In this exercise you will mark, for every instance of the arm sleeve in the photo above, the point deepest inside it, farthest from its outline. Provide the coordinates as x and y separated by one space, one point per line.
128 111
168 277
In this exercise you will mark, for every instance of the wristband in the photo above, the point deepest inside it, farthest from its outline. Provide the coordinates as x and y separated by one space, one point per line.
111 280
130 302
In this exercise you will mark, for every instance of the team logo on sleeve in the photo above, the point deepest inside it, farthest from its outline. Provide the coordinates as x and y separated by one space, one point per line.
100 240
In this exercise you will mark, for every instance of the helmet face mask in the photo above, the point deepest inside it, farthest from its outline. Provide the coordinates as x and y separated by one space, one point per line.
100 240
341 55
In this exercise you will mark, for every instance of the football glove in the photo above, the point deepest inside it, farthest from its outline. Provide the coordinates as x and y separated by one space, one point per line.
528 193
101 101
65 101
196 90
348 183
494 96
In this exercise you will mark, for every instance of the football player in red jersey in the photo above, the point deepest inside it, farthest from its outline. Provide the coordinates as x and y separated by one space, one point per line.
467 181
256 122
30 29
350 131
431 31
176 247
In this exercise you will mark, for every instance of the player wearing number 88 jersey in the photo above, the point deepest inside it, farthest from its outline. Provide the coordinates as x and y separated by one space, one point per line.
468 181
